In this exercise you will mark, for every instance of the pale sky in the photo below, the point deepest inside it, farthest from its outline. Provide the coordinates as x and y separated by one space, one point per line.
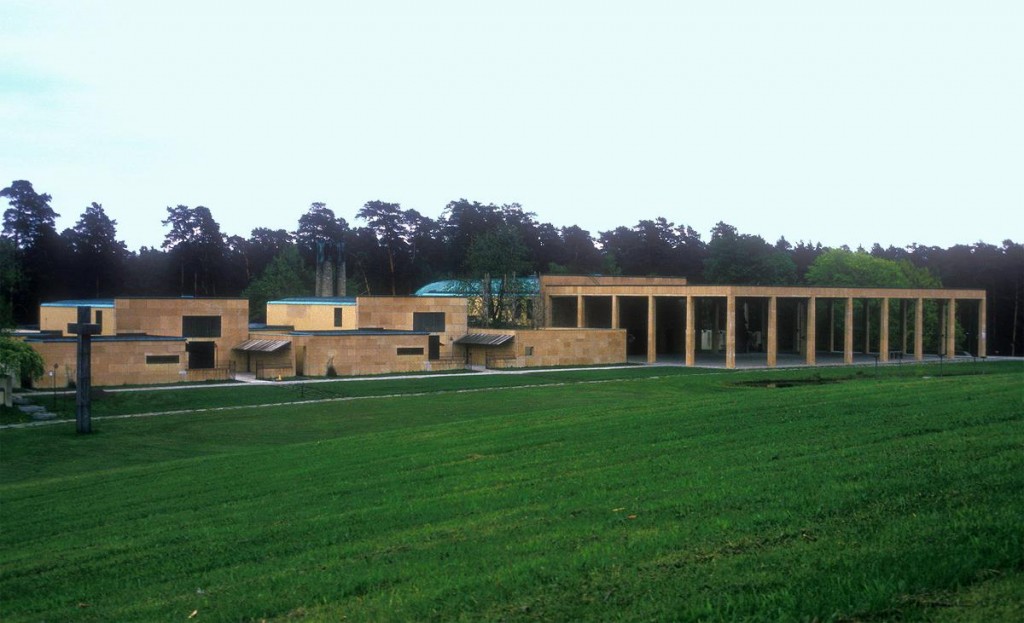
841 122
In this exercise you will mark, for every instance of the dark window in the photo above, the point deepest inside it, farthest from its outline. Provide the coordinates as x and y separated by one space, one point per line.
410 351
432 322
434 347
200 326
529 351
155 359
337 316
99 319
201 355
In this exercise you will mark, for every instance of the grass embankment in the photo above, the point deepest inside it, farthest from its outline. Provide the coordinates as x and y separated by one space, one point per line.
680 497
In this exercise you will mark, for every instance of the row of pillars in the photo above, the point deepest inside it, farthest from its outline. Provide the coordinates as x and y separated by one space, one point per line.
948 329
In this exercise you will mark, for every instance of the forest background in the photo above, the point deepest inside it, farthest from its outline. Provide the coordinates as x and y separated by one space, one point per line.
395 251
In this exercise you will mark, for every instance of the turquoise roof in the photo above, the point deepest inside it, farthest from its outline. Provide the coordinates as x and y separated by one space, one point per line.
109 303
334 301
473 287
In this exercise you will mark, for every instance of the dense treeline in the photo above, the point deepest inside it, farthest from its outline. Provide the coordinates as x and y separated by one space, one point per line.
396 250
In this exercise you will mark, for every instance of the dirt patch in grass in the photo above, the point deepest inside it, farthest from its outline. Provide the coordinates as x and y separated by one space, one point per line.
780 383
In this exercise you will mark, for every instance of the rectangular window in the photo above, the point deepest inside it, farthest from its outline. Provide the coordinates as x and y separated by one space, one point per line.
410 351
159 359
337 316
432 322
200 326
529 351
99 319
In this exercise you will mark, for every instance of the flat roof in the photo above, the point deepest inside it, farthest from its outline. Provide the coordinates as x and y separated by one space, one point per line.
358 332
101 303
334 301
107 338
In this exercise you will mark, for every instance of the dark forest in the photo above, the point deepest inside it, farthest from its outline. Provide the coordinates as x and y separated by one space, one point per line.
394 251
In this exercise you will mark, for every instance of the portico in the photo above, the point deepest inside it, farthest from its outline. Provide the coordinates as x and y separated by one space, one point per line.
667 318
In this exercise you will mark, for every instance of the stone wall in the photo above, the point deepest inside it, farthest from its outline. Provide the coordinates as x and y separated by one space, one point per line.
312 316
552 348
114 362
58 318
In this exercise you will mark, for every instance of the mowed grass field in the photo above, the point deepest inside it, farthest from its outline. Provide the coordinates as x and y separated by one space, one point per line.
643 494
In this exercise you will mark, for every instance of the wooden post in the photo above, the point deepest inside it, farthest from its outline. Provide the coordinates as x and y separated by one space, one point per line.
773 331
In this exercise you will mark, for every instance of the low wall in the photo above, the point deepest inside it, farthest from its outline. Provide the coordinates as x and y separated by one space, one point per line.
552 348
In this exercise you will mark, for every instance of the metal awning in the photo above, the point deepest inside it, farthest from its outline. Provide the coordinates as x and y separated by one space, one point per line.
262 346
484 339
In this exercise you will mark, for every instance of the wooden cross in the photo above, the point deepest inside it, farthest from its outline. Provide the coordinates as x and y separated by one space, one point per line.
83 399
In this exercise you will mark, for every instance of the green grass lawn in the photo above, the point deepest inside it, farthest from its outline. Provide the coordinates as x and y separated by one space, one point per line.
654 494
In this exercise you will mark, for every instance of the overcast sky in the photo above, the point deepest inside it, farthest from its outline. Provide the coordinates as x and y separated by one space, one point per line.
841 122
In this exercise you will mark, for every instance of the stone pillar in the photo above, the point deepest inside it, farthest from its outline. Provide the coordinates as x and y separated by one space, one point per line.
867 326
848 332
903 327
919 330
716 327
982 337
951 328
812 330
831 325
730 332
773 331
883 332
548 313
691 331
800 330
581 318
615 311
652 346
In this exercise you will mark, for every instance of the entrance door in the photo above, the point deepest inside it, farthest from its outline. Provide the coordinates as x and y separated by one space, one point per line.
434 348
201 355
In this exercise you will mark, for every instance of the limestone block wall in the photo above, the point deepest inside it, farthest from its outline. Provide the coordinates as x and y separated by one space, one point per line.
360 354
312 316
114 362
395 313
553 347
58 318
158 316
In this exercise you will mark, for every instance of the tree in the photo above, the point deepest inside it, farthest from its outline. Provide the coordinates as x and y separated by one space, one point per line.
11 279
502 254
839 268
285 276
30 217
655 247
734 258
20 359
96 253
30 225
389 225
319 224
198 246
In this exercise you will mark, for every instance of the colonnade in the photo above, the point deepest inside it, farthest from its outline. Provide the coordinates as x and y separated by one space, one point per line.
806 337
